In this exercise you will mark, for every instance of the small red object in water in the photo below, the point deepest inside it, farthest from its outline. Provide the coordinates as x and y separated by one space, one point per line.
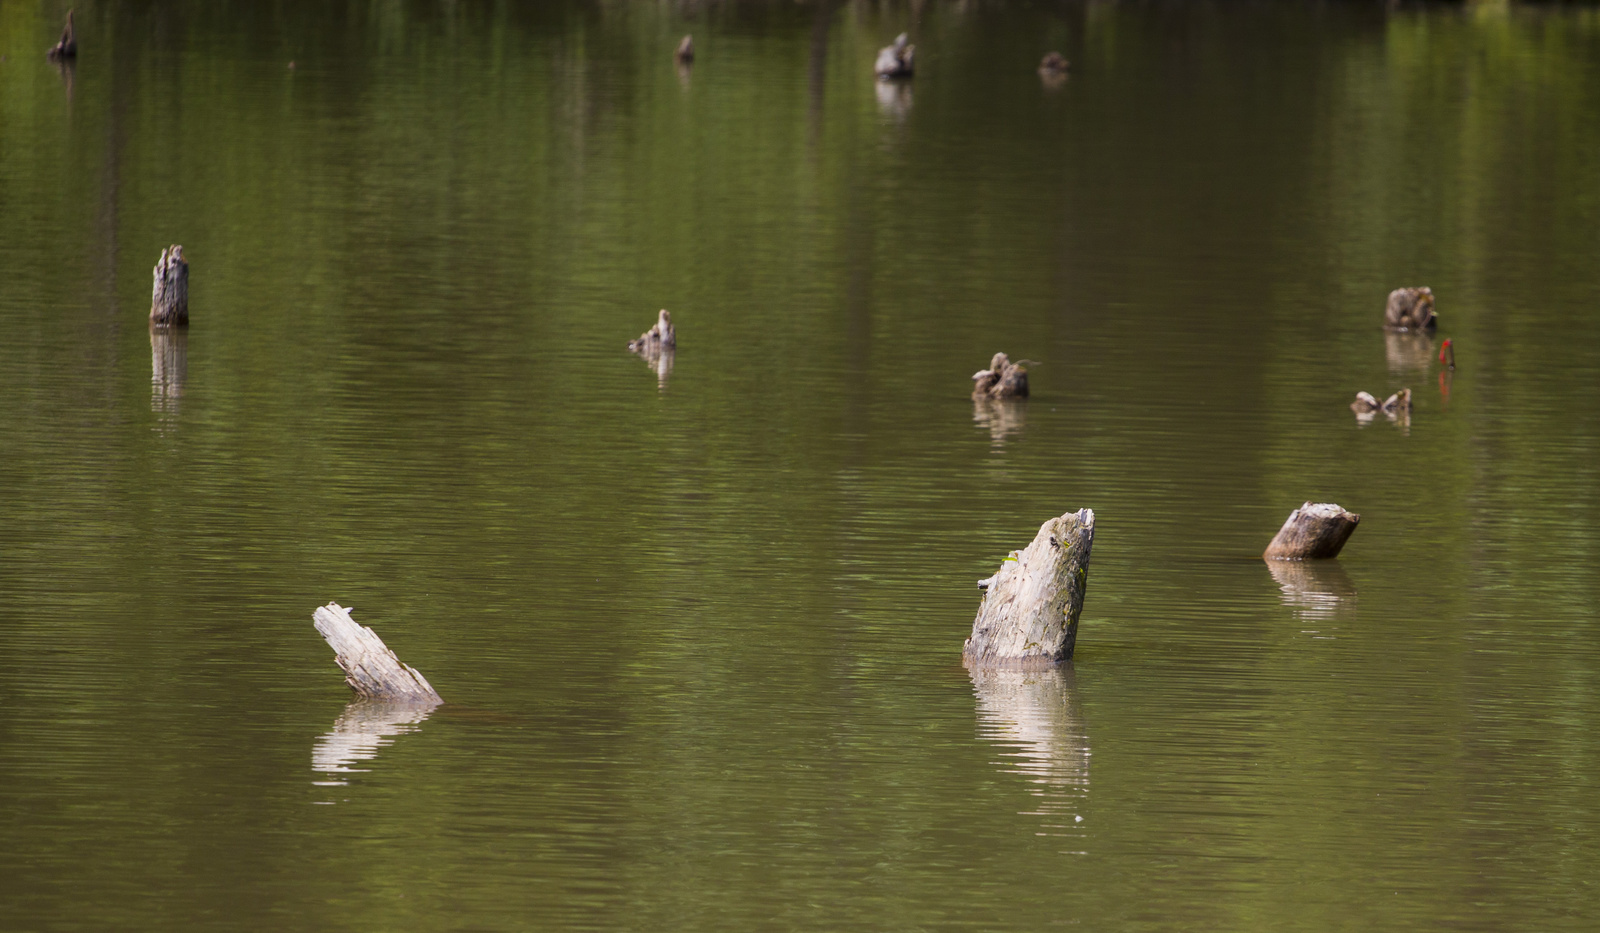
1447 354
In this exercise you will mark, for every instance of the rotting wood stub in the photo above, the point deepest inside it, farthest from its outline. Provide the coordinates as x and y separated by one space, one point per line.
370 668
1029 615
1315 531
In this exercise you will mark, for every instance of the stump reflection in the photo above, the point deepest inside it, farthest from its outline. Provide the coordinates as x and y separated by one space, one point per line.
1033 717
1314 590
660 361
894 98
364 728
169 368
1411 352
1002 416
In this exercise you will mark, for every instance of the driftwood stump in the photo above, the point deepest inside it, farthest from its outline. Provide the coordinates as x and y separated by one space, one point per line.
1029 616
169 299
1394 406
1003 379
685 53
1410 309
370 668
67 47
897 60
658 338
1313 531
1054 63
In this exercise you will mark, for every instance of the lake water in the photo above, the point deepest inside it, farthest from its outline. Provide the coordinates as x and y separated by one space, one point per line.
699 630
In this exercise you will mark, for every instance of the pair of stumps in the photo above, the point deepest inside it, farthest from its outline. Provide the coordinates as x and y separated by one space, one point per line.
1028 619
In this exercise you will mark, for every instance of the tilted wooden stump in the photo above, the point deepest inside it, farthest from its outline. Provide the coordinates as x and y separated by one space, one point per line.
169 300
1410 309
1313 531
1029 616
370 668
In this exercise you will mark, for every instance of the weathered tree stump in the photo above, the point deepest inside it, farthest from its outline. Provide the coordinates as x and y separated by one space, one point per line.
1313 531
370 668
1028 619
68 46
661 337
1410 309
1003 379
1054 63
169 299
1393 406
685 53
897 60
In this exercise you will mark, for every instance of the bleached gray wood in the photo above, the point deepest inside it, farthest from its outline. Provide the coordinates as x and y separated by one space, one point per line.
1313 531
169 299
370 668
1029 616
685 53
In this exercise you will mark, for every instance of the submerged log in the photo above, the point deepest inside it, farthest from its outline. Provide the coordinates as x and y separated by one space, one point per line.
1393 406
1410 309
685 53
1313 531
370 668
1028 619
68 46
169 299
1003 379
897 60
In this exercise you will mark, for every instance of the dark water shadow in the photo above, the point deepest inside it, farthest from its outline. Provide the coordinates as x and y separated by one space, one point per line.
1034 718
360 732
1002 416
169 368
1316 590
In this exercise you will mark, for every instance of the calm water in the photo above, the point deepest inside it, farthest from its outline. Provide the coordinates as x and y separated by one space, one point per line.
700 630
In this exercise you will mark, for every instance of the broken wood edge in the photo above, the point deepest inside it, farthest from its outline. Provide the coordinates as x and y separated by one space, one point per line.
371 669
169 295
1315 531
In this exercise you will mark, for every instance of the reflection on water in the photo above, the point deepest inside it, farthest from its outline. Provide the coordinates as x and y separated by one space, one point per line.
1002 416
894 98
660 360
361 730
1033 716
1316 590
1408 352
169 368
